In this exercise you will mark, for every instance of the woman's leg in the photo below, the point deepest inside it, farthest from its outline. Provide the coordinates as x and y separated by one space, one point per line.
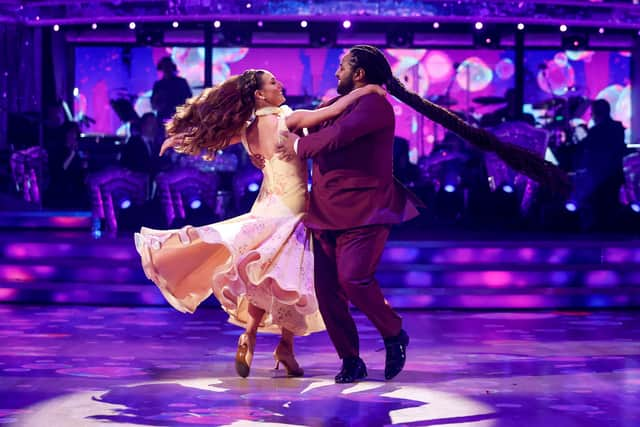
284 354
247 341
255 317
287 339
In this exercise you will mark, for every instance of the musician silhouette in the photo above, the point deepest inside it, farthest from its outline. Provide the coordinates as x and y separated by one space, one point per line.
170 91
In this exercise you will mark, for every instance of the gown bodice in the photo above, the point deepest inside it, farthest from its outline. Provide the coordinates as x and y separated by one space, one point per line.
284 185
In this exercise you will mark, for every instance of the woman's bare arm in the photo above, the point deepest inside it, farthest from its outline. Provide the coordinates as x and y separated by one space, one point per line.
307 118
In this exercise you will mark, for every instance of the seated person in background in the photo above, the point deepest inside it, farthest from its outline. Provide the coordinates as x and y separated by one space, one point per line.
170 91
67 171
54 125
140 153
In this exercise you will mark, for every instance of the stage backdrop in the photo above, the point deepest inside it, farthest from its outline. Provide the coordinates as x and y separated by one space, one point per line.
452 77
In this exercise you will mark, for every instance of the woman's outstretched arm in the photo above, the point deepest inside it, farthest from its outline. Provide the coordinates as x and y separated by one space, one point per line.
308 118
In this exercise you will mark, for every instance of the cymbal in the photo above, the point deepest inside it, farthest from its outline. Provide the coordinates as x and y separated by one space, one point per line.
489 100
578 105
443 100
548 103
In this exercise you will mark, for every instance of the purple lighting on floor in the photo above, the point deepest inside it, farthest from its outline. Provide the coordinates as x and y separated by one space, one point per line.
404 255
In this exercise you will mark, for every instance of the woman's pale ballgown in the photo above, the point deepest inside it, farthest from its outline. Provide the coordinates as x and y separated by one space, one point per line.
263 257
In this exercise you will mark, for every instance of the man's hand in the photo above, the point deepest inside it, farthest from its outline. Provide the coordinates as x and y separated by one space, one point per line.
170 143
284 148
257 160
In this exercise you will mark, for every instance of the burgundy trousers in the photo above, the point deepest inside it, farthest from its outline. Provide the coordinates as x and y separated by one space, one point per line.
345 264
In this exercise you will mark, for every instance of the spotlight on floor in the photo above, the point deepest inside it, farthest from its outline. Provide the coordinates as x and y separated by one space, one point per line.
507 188
125 204
450 188
253 187
635 206
571 206
195 204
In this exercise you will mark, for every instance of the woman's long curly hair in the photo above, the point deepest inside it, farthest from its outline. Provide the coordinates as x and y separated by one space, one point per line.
209 121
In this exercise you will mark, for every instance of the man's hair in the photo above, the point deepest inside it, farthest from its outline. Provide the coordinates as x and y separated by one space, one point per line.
166 64
378 71
601 109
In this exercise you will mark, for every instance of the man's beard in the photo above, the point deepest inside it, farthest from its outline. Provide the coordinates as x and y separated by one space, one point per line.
345 86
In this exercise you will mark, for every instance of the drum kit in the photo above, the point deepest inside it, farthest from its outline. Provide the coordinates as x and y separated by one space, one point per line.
562 117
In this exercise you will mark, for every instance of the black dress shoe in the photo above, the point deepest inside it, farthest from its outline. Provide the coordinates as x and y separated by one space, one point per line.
353 369
396 354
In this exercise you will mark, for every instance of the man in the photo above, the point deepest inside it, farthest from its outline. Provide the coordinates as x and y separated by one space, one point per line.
603 150
354 200
170 91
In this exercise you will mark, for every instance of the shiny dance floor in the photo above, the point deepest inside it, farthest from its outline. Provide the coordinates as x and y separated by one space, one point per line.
92 366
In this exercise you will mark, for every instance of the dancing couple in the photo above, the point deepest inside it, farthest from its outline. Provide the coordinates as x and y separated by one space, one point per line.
294 263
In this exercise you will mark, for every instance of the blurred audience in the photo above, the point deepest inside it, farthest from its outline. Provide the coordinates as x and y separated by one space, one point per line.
67 171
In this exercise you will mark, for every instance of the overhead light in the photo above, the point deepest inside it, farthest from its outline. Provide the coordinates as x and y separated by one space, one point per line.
216 24
304 24
399 38
436 25
574 42
520 26
346 24
563 28
94 26
132 25
175 24
479 25
56 27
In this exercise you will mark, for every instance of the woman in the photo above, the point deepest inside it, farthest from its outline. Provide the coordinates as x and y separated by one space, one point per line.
258 265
